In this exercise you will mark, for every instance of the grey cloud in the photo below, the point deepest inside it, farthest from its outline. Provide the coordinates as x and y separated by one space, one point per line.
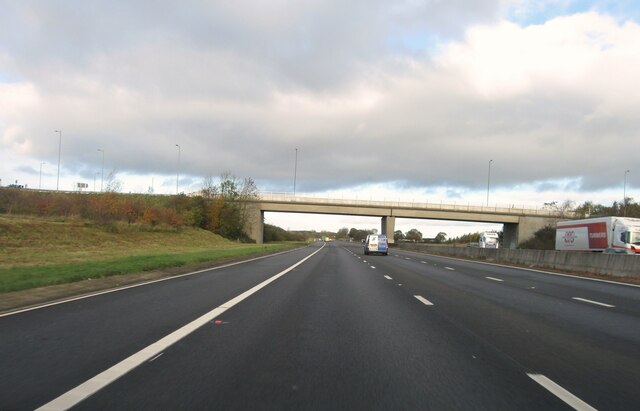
136 78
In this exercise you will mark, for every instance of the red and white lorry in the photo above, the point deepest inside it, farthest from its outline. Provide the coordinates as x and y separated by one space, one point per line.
598 234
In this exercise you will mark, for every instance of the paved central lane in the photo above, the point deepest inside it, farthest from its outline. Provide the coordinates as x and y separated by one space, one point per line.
332 334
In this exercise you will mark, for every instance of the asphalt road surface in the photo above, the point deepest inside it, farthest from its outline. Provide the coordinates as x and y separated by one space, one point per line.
325 327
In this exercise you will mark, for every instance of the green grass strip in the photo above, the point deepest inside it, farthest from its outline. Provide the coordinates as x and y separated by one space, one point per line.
22 278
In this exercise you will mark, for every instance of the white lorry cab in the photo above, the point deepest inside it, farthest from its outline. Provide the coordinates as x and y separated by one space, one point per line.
376 243
599 234
488 240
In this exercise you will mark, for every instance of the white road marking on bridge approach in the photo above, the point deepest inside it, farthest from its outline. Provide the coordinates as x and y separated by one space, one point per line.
575 402
93 385
423 300
373 267
494 279
593 302
451 269
388 278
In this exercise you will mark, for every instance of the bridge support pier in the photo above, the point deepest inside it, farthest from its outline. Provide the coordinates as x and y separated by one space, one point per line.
510 236
254 224
388 227
515 234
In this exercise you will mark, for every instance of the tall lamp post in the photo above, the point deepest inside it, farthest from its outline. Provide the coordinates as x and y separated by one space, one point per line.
59 151
40 180
624 196
178 174
489 181
102 171
295 173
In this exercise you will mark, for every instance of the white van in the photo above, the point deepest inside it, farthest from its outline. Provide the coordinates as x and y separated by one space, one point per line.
376 243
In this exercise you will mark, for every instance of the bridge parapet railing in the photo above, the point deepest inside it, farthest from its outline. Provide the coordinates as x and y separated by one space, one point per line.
497 209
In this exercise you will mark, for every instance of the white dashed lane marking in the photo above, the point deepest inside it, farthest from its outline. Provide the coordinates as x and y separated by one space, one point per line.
593 302
423 300
561 393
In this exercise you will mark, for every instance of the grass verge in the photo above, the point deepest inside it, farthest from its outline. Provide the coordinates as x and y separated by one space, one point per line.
22 278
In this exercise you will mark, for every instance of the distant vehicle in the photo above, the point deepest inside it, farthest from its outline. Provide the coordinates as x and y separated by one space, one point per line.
619 251
488 240
599 234
376 243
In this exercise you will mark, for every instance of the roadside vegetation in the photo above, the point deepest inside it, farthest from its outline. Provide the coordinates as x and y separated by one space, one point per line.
218 207
38 251
57 237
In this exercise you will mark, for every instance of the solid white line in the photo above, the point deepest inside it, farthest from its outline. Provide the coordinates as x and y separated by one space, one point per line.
388 278
90 387
593 302
423 262
449 268
126 287
423 300
561 393
494 279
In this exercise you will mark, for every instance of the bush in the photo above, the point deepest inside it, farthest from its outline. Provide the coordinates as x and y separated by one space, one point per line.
543 239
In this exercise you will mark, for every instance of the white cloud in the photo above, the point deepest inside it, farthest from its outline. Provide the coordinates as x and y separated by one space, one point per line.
239 90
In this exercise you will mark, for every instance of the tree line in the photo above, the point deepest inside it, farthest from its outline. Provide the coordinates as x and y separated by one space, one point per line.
219 207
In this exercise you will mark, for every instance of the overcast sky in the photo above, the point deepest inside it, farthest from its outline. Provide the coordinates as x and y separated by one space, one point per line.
383 99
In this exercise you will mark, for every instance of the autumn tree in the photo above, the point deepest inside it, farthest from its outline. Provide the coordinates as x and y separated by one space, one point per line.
342 233
414 235
441 237
227 210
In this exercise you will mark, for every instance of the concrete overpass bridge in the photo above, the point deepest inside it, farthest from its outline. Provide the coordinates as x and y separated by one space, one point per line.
519 223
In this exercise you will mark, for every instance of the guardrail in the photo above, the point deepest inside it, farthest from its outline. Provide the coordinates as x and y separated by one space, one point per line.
496 209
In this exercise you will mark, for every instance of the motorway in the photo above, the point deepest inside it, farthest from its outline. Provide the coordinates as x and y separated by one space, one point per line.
325 327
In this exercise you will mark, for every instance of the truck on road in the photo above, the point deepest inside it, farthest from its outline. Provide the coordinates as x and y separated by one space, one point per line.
598 234
489 239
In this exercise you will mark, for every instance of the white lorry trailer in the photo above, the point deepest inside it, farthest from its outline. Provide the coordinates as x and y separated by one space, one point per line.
598 234
488 239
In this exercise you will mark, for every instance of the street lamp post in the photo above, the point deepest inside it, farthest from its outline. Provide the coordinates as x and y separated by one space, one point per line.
624 195
59 152
40 180
295 173
102 171
489 181
178 174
